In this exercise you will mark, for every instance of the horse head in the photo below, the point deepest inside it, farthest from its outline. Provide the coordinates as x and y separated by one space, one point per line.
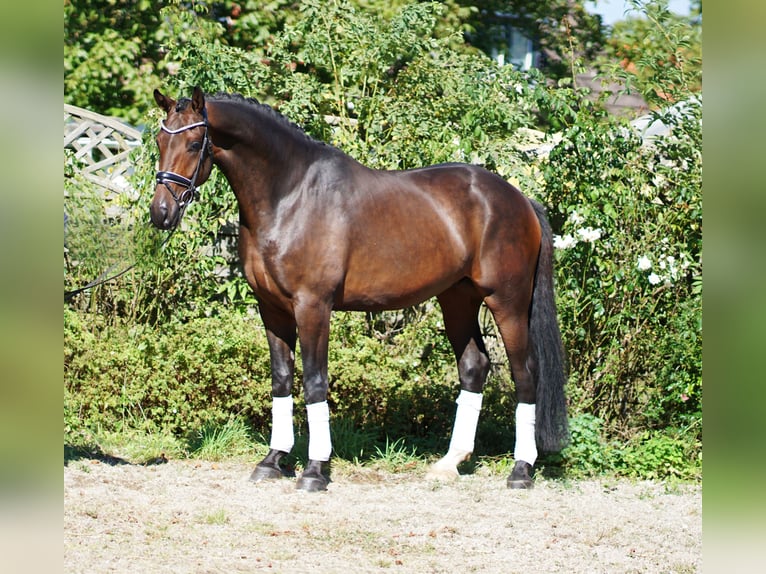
186 158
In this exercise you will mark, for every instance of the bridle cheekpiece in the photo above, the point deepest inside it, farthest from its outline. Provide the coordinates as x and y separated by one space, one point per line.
168 177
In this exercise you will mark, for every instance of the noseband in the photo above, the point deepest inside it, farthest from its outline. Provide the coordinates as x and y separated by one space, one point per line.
168 177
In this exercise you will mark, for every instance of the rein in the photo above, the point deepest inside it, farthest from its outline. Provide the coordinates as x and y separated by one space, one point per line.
101 279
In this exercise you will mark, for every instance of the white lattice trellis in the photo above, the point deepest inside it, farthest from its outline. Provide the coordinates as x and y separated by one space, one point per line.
103 144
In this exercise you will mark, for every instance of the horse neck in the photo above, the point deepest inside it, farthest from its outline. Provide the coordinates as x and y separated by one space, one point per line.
258 155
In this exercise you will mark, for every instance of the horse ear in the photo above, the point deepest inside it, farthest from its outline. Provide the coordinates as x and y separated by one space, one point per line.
163 101
198 100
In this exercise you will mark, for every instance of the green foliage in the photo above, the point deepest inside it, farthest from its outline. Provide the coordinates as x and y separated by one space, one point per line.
396 456
391 384
647 455
657 53
588 453
91 241
112 55
352 442
176 378
661 455
629 223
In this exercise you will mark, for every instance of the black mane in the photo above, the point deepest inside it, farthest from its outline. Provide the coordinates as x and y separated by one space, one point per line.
264 109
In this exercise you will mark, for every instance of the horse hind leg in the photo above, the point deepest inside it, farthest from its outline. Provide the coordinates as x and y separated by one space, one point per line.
513 325
460 306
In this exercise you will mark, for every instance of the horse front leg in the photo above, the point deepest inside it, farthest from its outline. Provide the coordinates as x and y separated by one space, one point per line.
313 318
280 333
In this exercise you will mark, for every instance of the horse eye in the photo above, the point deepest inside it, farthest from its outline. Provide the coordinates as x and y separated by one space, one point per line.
195 146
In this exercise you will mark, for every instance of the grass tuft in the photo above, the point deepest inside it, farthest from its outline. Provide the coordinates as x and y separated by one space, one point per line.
217 442
396 456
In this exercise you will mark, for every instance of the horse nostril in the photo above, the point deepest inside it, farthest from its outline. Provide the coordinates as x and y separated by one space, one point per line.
159 214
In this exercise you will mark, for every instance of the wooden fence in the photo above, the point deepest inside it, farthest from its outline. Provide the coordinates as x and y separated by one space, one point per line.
102 144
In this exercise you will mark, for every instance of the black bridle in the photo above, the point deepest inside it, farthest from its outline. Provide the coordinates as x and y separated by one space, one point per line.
167 177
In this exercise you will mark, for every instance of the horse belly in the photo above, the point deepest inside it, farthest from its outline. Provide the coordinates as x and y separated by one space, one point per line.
397 275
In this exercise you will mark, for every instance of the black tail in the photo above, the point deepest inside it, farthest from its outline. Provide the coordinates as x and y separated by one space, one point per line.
551 424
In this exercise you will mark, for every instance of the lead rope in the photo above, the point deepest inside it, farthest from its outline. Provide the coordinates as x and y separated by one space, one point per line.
163 177
101 279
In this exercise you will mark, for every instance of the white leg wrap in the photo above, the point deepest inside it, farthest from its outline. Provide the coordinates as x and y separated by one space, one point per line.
463 437
320 445
466 421
526 447
282 436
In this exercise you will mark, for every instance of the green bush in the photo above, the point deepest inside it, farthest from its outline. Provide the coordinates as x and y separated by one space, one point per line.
652 455
185 376
647 455
176 378
629 273
588 452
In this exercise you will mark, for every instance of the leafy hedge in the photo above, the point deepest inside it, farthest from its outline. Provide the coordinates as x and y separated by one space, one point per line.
177 377
185 375
177 344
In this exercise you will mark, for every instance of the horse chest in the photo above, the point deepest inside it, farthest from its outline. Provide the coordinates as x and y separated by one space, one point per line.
260 272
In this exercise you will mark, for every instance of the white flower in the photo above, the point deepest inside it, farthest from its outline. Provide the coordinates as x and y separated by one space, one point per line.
576 218
565 242
669 262
654 279
589 234
644 263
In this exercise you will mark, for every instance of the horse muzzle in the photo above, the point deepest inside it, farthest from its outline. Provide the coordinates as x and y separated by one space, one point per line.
164 211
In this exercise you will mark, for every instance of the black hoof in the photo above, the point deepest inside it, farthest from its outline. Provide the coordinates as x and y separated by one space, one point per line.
268 468
311 483
313 479
264 472
520 477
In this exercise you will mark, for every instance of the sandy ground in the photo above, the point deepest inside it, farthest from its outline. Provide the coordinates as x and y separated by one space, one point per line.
191 516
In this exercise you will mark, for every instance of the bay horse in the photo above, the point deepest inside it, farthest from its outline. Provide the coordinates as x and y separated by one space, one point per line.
320 231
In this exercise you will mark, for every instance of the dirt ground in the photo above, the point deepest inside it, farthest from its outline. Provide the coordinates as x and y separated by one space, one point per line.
204 517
